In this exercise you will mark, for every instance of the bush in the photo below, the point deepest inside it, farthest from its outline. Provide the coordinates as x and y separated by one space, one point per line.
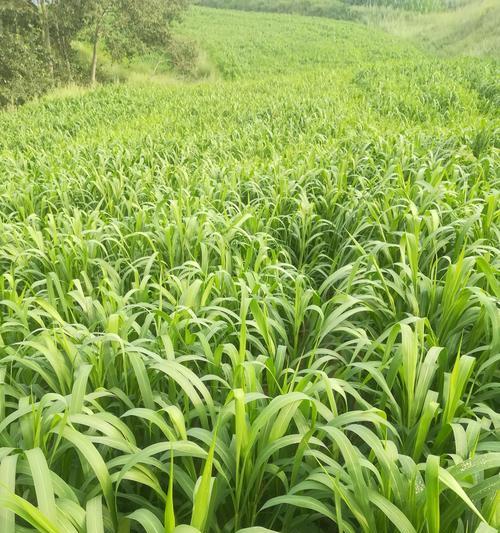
24 72
23 65
184 56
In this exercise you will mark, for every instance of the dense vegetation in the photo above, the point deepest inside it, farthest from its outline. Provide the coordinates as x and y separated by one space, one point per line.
269 301
471 29
452 27
338 9
24 68
320 8
261 45
37 39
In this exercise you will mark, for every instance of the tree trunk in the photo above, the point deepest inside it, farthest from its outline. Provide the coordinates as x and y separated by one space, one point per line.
46 36
93 68
64 47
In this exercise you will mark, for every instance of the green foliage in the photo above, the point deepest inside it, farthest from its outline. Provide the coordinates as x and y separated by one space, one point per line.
338 9
23 64
319 8
23 70
131 27
420 6
449 27
471 29
267 45
38 39
268 304
185 58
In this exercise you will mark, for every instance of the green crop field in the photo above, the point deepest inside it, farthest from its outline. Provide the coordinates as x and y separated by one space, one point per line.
458 27
266 301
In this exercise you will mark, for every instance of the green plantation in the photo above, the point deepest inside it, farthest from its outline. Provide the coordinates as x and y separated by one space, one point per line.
262 302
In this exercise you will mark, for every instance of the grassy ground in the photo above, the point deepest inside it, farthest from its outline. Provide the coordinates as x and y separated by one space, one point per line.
263 302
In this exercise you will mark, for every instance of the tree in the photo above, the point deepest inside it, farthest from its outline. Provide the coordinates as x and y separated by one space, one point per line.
24 66
66 19
53 24
36 38
130 26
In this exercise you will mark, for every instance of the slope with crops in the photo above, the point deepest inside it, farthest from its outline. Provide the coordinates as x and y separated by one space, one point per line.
264 303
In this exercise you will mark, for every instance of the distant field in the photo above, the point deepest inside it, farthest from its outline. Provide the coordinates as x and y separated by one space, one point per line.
330 8
448 27
264 302
256 44
321 8
470 30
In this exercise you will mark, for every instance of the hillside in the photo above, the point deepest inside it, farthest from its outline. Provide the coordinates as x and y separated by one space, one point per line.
264 302
470 30
331 8
244 45
446 27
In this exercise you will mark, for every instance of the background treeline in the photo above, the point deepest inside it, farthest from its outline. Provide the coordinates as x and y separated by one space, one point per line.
37 36
338 9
